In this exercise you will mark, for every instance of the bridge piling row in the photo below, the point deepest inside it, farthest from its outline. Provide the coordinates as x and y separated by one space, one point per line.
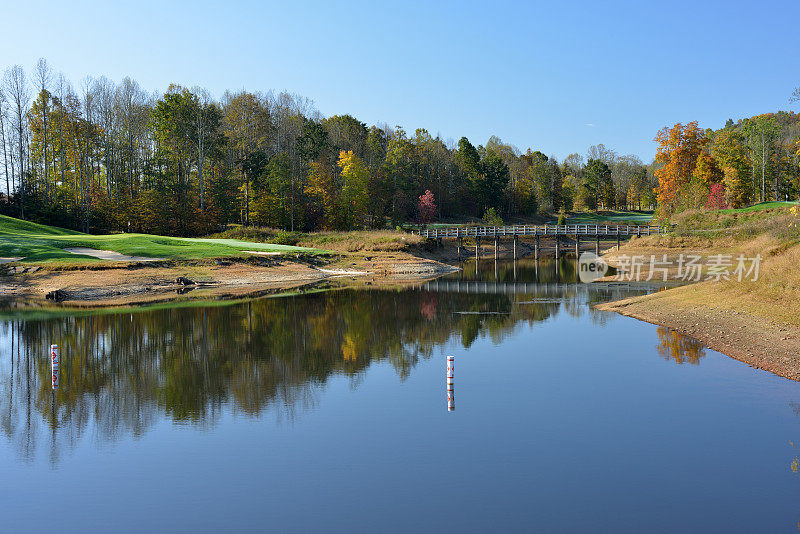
562 234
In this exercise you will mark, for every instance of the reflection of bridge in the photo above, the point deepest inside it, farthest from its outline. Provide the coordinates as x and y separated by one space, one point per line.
557 233
533 288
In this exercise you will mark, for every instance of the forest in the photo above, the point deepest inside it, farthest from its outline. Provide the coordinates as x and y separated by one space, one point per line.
110 157
746 162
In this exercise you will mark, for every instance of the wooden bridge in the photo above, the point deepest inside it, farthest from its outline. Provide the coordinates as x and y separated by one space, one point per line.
558 233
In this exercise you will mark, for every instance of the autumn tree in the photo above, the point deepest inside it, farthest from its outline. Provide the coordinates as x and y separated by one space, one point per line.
728 150
354 200
717 199
707 170
677 152
426 207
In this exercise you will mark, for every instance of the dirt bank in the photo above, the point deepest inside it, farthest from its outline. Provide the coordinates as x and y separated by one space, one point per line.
754 321
752 339
117 283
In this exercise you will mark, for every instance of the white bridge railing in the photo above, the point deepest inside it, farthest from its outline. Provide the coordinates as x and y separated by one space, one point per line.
541 230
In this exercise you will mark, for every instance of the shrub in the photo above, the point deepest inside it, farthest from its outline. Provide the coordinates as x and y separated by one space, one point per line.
491 218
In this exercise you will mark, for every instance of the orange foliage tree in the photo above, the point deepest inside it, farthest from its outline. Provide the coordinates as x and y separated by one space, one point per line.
678 149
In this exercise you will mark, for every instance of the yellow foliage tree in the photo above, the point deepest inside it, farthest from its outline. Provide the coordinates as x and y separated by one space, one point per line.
354 199
728 151
321 188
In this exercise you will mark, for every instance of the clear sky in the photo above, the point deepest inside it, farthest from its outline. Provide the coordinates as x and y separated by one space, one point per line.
554 76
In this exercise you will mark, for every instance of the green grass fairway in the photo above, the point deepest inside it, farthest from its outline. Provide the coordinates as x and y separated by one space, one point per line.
759 207
17 227
39 243
611 217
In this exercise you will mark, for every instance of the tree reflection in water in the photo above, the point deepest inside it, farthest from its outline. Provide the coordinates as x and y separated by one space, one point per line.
678 347
123 372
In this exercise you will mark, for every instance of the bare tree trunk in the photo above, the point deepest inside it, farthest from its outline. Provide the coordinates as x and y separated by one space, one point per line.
200 153
61 128
5 154
17 89
43 72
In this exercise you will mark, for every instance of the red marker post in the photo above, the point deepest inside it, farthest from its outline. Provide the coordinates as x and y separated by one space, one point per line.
451 395
54 364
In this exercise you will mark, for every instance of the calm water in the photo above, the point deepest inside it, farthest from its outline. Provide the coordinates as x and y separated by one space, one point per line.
328 412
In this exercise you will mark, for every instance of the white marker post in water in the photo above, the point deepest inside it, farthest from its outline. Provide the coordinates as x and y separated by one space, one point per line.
451 396
54 364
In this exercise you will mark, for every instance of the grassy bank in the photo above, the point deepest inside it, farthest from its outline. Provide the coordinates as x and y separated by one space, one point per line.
770 230
753 320
85 281
36 243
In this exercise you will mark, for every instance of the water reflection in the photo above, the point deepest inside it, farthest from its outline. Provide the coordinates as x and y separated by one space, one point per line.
678 347
120 373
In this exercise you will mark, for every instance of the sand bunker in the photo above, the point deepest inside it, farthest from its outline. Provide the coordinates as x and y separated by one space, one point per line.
341 272
108 255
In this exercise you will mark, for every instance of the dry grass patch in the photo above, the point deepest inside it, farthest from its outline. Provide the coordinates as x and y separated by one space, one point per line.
352 241
361 241
778 223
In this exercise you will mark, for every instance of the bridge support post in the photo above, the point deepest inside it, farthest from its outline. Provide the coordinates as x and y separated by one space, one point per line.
577 246
496 239
557 251
515 246
597 245
458 247
477 246
617 240
536 248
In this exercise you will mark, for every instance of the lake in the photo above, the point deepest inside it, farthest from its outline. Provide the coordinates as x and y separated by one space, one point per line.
328 411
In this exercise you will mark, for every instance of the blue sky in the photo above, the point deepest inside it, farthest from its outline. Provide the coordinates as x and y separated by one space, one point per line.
553 76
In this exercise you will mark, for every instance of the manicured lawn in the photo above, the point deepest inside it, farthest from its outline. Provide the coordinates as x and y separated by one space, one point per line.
18 227
616 217
759 207
39 243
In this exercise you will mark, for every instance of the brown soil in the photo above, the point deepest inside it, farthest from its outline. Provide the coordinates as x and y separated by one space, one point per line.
121 283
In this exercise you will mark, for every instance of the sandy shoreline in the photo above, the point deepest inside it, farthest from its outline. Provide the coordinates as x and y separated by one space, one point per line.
759 342
131 283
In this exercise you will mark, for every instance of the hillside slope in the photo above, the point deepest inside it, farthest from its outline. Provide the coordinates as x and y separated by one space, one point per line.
755 320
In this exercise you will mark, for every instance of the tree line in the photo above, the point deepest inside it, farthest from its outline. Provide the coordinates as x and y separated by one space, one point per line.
748 161
113 157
